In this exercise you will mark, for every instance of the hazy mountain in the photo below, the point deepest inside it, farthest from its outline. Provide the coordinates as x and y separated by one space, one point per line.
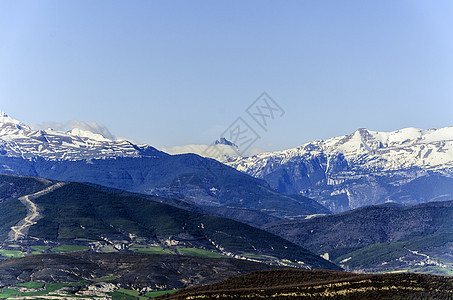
92 127
18 140
363 168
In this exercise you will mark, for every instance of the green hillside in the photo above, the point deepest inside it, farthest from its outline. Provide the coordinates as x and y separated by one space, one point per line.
14 186
11 188
381 238
113 275
77 214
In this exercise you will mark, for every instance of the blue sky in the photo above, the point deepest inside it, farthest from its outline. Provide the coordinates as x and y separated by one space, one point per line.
179 72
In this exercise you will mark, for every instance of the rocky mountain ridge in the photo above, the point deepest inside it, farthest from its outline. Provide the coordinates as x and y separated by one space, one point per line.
19 140
363 168
83 156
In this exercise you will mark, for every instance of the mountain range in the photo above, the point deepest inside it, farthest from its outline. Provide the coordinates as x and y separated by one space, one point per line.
118 204
363 168
341 173
83 156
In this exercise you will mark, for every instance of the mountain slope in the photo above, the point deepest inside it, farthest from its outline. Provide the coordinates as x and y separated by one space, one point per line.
363 168
18 140
378 238
296 284
127 270
17 186
82 215
84 157
247 216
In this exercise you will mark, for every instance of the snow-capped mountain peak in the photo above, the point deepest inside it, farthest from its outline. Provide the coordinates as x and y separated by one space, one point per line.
19 140
321 169
224 141
9 124
378 150
88 134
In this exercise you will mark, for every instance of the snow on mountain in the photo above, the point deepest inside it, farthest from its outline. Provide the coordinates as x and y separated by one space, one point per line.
11 125
407 166
88 134
221 150
203 184
410 147
19 140
75 124
353 168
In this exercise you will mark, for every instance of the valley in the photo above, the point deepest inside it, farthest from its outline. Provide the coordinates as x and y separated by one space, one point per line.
380 238
71 240
226 150
115 220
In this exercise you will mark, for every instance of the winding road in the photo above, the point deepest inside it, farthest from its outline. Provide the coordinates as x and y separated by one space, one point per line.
21 228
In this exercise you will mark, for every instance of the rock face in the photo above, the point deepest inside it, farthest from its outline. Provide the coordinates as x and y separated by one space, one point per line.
363 168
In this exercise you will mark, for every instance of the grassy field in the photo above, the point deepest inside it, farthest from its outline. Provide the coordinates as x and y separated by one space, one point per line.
8 293
32 285
40 248
120 296
253 256
106 278
69 248
159 293
11 253
48 288
150 249
199 252
181 250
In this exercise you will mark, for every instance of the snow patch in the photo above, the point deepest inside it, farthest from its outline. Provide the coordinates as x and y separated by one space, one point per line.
88 134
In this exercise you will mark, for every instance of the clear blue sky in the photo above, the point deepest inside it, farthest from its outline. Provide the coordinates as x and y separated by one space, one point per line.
177 72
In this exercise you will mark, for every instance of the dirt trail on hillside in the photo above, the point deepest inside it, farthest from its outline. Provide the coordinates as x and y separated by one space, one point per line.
20 230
